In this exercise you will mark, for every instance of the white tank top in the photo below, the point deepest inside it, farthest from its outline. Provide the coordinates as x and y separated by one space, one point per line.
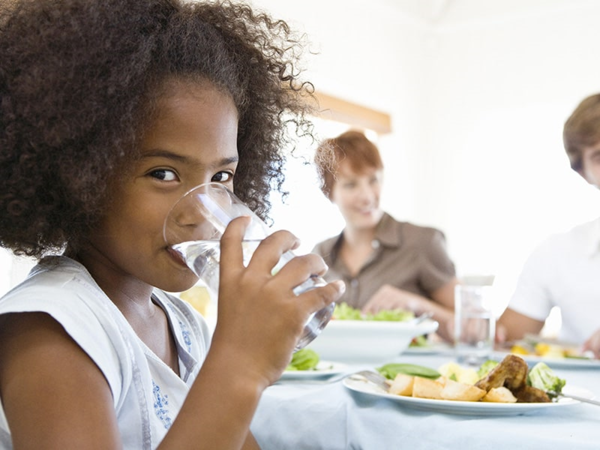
147 393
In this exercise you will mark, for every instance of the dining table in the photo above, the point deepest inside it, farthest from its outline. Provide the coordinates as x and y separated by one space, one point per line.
325 413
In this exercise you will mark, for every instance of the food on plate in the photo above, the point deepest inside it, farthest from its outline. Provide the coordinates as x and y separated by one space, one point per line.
534 346
511 373
419 341
345 312
427 388
485 368
508 381
542 377
392 369
453 390
530 394
402 385
499 395
454 371
304 359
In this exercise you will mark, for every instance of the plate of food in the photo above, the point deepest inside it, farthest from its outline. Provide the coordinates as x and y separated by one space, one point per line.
561 363
463 407
496 389
306 363
557 354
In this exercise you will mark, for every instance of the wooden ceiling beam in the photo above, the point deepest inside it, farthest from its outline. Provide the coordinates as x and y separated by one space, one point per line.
358 116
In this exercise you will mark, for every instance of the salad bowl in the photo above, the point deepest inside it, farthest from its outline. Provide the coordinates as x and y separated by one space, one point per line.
368 342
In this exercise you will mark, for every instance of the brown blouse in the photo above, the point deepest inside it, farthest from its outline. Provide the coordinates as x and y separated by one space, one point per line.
407 256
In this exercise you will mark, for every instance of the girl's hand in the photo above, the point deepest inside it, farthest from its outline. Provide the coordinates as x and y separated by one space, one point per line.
260 319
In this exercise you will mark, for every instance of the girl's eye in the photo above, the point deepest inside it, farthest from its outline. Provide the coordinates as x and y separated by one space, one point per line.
163 175
222 177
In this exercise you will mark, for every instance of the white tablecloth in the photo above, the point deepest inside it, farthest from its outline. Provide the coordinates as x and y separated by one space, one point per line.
328 416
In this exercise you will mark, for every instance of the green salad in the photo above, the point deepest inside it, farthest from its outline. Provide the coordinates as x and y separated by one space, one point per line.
304 359
345 312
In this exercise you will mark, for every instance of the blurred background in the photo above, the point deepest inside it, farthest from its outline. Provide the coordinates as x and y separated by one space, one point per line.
466 100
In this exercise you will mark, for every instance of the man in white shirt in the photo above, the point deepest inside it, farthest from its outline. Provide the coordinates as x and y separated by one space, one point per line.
564 270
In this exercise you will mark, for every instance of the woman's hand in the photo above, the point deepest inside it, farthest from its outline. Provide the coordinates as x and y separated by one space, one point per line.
388 297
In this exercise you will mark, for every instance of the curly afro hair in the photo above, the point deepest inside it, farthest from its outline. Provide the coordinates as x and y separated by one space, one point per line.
78 81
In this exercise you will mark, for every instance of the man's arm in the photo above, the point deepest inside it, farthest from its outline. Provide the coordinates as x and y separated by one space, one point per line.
513 325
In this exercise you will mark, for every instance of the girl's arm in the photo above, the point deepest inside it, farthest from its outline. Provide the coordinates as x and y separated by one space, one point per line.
55 397
53 394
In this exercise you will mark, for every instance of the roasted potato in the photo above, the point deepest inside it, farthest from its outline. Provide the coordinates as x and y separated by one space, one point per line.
427 388
402 385
499 395
454 390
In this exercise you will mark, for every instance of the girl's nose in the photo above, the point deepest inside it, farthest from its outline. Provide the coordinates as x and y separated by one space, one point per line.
186 225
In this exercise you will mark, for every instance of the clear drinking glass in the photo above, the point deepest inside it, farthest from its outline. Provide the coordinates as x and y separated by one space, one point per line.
194 226
474 323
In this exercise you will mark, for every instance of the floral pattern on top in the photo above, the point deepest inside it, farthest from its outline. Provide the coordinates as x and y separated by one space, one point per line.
185 333
161 402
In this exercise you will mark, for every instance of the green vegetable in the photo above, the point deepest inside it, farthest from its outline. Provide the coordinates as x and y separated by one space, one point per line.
542 377
486 367
392 369
305 359
394 315
419 341
345 312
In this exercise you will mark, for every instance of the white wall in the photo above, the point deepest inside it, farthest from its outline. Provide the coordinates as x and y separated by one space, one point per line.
478 96
499 90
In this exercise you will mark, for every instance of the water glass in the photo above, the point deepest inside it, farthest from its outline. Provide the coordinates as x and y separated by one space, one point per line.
474 324
193 229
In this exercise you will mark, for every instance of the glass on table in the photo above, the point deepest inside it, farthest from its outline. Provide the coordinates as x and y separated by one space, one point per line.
474 323
194 226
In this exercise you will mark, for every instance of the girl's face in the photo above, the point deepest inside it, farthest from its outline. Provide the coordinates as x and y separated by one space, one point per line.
357 196
193 140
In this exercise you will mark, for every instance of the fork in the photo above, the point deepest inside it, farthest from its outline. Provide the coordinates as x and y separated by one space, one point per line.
578 398
374 377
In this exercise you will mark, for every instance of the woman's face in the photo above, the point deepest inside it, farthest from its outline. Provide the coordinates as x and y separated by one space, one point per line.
357 196
193 140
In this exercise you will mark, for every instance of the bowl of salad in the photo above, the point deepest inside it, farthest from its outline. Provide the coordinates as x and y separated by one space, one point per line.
354 337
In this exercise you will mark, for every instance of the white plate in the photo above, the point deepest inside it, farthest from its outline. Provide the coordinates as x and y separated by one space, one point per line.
430 349
465 408
556 363
323 369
